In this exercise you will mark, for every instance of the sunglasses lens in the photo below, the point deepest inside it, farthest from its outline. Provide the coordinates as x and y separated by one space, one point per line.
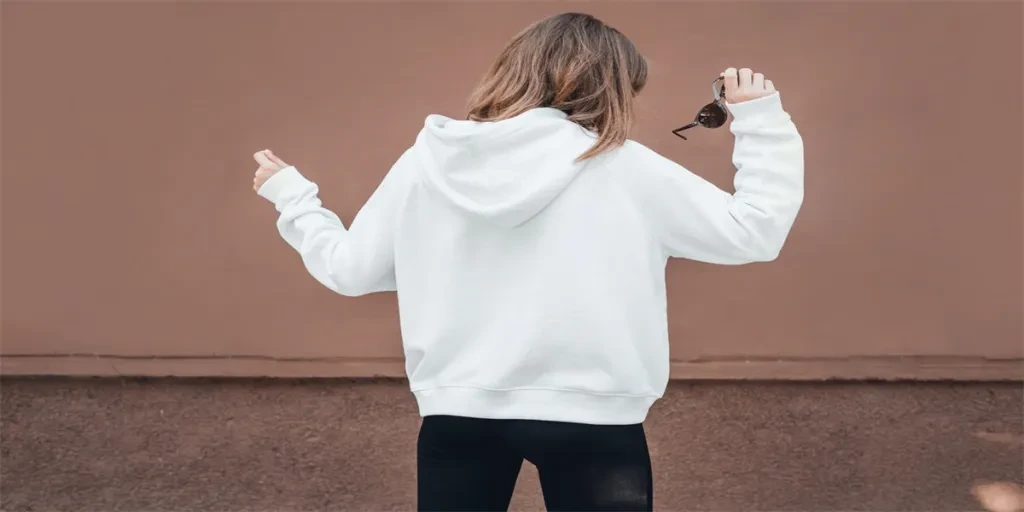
713 115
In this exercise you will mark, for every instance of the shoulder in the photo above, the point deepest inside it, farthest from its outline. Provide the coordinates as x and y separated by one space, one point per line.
404 171
634 149
634 157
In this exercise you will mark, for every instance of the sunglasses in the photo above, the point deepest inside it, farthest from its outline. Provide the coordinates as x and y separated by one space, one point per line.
712 115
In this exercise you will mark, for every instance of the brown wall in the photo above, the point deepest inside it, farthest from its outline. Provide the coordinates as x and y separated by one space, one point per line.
270 446
133 244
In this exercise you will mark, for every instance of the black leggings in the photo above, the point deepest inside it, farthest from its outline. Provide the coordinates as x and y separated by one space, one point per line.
472 464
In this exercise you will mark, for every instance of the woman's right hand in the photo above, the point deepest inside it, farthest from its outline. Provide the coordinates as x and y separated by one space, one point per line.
745 85
270 165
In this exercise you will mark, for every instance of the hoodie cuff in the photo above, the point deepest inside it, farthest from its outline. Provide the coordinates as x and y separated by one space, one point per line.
768 107
281 183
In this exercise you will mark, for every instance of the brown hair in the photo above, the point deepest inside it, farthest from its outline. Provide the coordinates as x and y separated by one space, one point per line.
572 62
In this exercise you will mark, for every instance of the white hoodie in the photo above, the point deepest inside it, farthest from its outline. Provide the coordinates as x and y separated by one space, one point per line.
531 286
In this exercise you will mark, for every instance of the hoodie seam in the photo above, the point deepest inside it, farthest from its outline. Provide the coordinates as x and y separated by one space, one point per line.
630 196
408 179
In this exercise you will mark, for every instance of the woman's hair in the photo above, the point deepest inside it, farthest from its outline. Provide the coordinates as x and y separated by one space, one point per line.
574 63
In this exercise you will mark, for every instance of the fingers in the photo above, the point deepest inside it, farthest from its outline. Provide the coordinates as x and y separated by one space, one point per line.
275 159
731 82
269 164
262 159
746 77
267 158
264 172
758 81
259 178
745 85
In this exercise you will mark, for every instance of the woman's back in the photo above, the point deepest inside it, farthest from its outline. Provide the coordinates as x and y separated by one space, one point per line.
531 284
528 249
525 277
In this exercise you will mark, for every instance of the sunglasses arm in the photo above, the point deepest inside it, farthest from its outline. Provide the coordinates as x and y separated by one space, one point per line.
677 131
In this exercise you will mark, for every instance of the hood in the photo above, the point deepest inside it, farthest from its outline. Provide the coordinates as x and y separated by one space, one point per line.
504 171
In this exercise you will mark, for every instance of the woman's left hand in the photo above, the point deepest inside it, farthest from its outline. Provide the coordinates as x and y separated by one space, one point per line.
270 165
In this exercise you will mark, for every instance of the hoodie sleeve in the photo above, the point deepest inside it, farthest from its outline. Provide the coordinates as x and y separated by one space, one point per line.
694 219
354 261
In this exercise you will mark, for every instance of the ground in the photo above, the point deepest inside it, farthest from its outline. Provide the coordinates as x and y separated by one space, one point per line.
277 445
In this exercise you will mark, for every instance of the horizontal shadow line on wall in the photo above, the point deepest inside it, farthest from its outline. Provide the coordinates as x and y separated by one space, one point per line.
962 368
937 359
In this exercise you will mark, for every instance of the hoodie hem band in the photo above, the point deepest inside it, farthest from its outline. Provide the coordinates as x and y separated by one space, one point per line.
534 404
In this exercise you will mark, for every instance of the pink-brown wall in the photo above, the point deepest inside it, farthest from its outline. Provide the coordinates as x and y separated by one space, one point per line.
133 244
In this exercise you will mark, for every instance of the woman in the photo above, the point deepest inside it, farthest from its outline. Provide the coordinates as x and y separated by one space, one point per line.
528 247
